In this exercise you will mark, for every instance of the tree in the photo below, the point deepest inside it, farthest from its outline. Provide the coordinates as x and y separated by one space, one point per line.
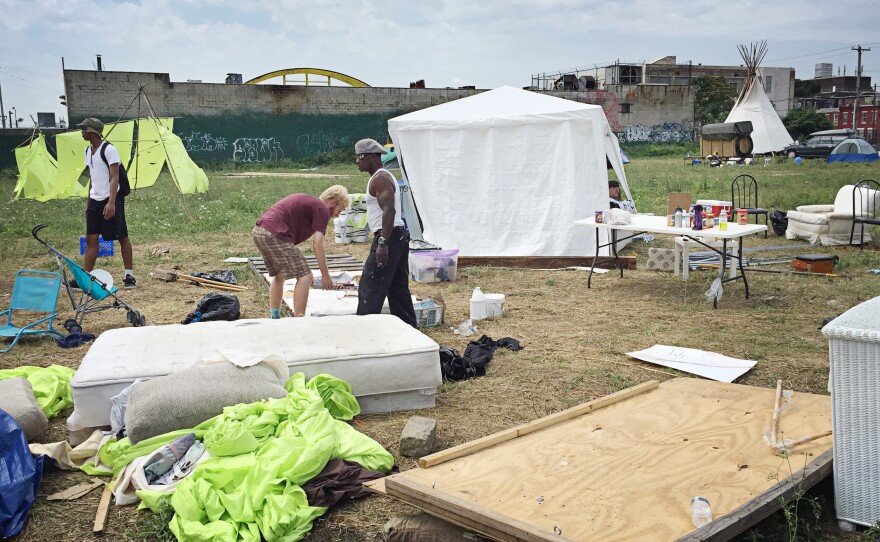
713 100
800 122
805 88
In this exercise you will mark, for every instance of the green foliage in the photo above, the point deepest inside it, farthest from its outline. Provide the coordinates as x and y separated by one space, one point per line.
801 122
805 88
665 150
713 100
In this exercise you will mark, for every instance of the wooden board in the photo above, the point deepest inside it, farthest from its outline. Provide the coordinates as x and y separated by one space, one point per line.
335 262
724 149
546 262
681 200
629 470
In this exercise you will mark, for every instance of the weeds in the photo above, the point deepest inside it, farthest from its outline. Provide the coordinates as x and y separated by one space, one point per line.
154 527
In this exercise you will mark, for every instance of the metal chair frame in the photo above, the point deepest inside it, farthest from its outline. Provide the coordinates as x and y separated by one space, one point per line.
862 194
742 195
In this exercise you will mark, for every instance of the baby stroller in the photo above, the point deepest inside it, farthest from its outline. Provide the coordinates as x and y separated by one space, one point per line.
94 295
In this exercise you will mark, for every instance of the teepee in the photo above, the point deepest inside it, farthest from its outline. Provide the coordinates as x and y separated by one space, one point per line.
769 133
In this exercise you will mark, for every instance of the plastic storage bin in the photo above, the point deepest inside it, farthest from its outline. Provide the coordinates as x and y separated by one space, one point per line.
854 356
433 265
105 248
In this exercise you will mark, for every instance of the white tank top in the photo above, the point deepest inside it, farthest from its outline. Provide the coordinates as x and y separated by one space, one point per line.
374 212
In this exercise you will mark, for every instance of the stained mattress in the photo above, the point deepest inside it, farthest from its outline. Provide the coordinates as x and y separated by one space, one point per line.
390 365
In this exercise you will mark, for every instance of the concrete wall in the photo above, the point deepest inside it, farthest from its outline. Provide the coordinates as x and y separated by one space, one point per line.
643 113
258 123
250 123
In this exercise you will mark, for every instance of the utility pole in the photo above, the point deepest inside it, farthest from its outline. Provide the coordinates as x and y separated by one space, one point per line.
2 116
858 85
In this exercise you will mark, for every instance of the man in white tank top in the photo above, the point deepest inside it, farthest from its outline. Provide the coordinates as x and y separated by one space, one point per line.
386 271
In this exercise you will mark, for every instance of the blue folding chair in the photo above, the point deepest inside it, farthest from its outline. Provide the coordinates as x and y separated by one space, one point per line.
34 291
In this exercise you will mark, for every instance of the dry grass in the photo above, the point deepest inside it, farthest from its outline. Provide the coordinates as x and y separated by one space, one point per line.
575 343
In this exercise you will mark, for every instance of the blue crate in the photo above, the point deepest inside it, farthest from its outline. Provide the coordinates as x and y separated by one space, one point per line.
105 248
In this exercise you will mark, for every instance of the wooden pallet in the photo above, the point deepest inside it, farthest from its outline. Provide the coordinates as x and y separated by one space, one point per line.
335 262
625 467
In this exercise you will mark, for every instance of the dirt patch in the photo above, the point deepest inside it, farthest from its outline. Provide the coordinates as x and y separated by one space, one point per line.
575 341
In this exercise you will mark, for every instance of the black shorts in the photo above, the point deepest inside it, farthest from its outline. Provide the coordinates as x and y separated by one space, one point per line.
110 230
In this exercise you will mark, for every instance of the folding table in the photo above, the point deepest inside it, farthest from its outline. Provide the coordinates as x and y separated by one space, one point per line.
658 225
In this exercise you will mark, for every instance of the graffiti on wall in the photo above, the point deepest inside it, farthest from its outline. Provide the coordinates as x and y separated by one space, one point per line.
318 143
667 132
203 141
256 149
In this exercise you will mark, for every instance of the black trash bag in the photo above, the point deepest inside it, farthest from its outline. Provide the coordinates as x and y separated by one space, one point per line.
476 357
779 219
227 276
215 307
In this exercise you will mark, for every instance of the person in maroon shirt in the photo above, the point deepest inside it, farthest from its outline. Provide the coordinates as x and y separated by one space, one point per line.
286 224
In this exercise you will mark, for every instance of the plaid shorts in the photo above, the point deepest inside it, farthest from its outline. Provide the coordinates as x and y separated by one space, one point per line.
280 256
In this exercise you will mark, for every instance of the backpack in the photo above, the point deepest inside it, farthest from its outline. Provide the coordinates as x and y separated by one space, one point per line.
124 186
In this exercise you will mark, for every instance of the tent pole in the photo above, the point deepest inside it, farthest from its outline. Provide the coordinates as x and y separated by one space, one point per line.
164 148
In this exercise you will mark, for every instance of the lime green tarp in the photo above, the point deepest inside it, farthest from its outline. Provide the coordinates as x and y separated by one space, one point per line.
36 173
262 452
188 177
51 385
71 155
146 165
45 179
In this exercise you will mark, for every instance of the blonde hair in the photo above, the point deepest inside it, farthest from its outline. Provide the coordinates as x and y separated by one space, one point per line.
337 194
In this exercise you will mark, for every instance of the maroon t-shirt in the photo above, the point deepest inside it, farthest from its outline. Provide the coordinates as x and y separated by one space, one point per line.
295 218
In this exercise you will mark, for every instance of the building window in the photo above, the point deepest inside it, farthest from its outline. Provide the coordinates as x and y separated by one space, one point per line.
864 117
845 118
768 83
625 108
836 119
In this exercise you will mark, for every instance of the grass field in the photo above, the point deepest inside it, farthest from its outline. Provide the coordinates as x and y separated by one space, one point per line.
565 362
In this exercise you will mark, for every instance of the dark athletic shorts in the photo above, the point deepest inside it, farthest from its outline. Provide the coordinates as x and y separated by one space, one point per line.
110 230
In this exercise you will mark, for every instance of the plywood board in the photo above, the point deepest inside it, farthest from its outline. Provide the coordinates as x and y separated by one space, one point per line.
627 471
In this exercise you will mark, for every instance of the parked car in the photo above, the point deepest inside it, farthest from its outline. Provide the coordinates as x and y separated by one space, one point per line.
818 144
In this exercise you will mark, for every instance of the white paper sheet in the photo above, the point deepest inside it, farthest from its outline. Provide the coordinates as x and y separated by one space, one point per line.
699 362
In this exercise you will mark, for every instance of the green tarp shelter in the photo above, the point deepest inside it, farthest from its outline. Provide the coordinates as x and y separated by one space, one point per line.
145 146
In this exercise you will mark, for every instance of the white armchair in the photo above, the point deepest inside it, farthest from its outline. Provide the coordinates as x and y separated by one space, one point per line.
827 224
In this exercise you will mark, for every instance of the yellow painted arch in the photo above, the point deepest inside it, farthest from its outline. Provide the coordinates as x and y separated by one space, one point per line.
330 75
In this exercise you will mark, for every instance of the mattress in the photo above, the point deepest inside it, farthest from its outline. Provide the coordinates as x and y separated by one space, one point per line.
390 365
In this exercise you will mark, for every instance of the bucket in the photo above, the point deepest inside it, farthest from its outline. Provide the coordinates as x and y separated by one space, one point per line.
494 304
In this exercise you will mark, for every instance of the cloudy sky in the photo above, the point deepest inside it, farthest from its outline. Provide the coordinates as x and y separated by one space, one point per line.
486 43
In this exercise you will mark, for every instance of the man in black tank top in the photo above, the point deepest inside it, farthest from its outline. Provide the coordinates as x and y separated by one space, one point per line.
386 271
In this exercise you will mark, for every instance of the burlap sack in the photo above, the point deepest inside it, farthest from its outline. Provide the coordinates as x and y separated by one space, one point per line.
17 399
185 399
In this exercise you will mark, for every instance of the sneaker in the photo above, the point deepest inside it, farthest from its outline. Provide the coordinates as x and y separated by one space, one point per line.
72 284
128 282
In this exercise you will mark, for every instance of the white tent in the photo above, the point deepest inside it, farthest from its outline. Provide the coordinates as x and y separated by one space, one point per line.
769 133
508 171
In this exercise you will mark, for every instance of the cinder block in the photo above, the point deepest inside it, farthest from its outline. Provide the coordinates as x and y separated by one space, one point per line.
418 437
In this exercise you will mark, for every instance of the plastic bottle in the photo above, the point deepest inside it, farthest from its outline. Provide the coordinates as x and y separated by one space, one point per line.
722 220
701 513
478 304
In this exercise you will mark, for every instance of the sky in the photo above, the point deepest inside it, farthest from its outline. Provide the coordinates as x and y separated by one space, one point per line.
448 43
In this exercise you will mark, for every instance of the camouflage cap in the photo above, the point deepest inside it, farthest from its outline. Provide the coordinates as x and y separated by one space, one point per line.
92 125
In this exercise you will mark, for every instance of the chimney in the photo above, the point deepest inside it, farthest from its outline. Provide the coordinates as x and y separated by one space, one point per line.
99 63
